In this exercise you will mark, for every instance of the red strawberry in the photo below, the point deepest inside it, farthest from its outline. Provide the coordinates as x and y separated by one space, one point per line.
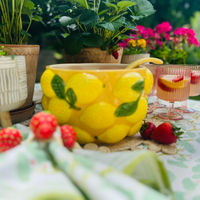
43 125
164 87
146 130
68 136
195 78
166 133
115 54
177 79
9 138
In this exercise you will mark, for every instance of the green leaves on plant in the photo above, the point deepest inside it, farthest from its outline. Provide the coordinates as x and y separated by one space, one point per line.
82 2
1 25
23 32
118 23
131 25
73 44
38 19
29 4
93 40
123 4
127 109
102 12
143 8
111 5
138 86
65 20
58 86
88 17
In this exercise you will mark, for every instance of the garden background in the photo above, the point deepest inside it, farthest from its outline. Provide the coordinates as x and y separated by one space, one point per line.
179 13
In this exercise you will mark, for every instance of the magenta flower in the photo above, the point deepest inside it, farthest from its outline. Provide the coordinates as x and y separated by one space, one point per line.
140 29
148 32
159 43
190 33
157 36
167 36
180 31
193 41
163 27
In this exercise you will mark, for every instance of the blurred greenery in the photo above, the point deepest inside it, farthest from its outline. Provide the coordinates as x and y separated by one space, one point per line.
177 12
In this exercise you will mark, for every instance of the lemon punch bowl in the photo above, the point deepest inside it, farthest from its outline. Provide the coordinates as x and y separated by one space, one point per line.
103 102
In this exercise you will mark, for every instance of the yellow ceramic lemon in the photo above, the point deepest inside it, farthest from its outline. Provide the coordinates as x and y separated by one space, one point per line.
140 113
123 89
103 102
99 115
45 82
45 102
135 128
148 82
87 87
114 134
82 136
60 109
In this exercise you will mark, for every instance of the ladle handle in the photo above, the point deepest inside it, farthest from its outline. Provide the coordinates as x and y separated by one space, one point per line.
140 61
5 119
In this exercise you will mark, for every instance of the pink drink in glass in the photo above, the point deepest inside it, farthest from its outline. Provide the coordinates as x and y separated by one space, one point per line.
173 85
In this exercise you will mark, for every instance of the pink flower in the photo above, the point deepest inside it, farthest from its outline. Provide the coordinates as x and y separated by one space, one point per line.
134 36
122 44
193 41
176 40
157 36
180 31
167 36
159 43
163 27
140 29
148 32
190 33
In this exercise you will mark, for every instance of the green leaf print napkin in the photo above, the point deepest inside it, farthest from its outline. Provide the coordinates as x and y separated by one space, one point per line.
28 172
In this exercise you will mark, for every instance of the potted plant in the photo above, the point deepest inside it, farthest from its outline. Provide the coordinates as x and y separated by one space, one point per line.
15 21
135 47
92 29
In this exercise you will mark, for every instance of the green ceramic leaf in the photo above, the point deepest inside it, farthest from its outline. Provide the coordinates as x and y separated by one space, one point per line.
93 40
71 96
126 109
23 167
123 4
138 86
58 86
177 164
88 17
73 44
188 184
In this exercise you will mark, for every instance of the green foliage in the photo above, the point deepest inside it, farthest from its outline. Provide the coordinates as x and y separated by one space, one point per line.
11 20
97 23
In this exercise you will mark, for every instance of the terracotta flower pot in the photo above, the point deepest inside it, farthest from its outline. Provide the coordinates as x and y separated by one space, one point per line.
127 59
31 53
93 55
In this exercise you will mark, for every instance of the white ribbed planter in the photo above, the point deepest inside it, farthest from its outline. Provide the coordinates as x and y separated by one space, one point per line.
127 59
13 82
